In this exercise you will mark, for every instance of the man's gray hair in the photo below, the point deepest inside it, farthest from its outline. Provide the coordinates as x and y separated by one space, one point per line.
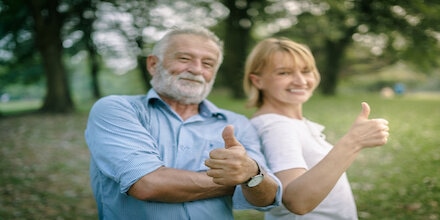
162 44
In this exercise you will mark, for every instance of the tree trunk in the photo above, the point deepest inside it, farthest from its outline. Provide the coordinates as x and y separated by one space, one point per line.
145 76
48 23
332 65
334 54
94 69
87 24
142 64
236 44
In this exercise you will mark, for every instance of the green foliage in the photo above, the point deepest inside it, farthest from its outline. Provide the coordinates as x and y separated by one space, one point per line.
372 33
19 63
44 166
343 34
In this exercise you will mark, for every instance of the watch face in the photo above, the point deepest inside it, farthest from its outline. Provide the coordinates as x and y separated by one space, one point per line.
255 180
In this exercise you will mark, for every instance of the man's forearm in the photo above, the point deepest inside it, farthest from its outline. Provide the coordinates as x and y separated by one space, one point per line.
263 194
173 185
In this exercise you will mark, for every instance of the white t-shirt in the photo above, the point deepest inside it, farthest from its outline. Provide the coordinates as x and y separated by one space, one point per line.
289 143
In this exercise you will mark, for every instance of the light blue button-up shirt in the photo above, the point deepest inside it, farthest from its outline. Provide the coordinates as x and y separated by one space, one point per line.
131 136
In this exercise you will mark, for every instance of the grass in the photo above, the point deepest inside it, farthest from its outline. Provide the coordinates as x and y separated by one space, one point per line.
19 107
44 160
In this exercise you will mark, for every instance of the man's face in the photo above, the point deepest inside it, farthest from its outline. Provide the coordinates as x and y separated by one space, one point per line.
183 87
188 69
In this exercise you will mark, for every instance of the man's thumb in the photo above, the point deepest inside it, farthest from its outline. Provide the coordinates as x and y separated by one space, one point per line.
365 113
229 138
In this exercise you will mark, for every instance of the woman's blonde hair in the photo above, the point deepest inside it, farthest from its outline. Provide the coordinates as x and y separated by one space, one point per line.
262 54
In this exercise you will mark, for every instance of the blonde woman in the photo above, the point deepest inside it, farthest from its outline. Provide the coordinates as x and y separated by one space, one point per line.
280 76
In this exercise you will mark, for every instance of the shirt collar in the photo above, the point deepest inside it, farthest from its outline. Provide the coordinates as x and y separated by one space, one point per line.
206 107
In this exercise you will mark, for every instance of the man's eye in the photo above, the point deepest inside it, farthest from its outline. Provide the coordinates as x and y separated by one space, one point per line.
207 64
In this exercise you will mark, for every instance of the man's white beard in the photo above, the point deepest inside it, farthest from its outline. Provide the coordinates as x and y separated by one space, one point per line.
185 87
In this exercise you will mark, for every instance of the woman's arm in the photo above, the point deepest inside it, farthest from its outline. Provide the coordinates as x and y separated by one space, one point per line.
304 190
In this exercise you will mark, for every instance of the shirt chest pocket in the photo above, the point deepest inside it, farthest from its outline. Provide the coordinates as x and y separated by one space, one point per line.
192 156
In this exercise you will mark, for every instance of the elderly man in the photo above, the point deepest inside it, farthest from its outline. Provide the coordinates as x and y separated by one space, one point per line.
172 154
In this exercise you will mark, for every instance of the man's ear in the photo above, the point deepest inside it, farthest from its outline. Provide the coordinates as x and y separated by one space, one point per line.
152 62
256 80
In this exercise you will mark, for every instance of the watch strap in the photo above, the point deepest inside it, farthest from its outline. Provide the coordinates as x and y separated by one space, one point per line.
257 179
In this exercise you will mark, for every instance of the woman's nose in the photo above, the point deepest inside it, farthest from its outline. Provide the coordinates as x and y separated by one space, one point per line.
299 78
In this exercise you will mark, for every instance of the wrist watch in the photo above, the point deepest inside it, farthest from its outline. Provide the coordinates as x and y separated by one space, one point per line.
257 179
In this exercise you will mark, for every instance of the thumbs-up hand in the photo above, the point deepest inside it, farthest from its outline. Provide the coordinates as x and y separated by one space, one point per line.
365 113
229 138
367 132
230 165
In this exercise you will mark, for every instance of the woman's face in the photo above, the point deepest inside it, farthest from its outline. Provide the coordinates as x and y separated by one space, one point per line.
285 82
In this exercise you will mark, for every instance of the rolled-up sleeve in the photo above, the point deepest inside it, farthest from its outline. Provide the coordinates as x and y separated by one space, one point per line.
120 146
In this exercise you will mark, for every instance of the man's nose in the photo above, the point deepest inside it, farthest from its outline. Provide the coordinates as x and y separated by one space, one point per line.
196 67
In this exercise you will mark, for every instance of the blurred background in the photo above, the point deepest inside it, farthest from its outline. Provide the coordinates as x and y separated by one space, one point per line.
64 52
59 56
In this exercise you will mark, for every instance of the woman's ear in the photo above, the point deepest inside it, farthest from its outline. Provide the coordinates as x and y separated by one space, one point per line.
152 62
256 80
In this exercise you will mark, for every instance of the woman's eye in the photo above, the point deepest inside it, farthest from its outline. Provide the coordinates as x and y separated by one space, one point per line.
306 71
